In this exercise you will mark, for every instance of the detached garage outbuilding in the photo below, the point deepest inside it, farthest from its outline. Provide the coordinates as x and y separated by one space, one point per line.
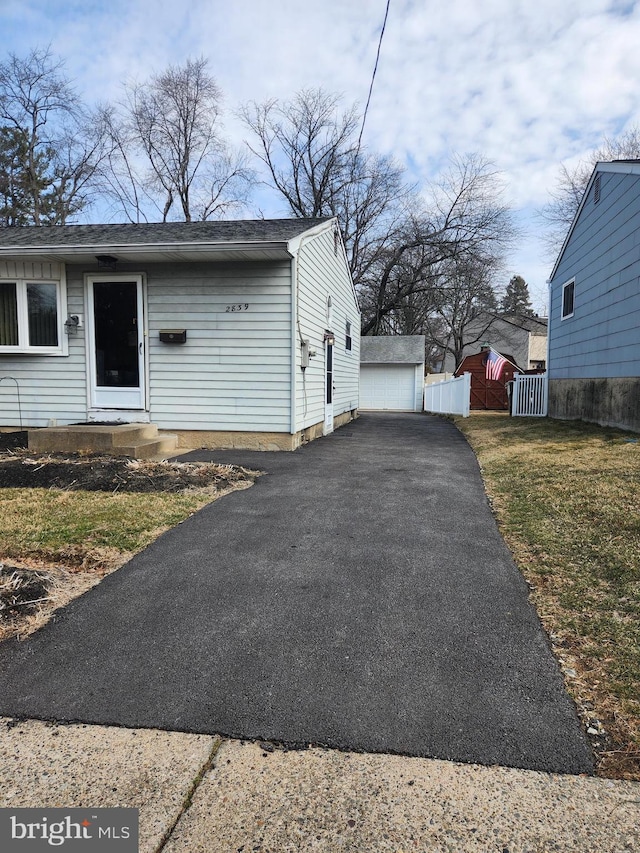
392 372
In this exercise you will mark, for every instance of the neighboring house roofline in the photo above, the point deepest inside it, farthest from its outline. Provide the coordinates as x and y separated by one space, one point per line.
622 167
521 322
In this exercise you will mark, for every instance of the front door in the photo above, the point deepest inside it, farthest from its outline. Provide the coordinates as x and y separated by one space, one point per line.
116 342
328 390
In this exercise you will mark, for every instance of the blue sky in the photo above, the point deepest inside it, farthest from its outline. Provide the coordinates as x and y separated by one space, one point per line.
530 84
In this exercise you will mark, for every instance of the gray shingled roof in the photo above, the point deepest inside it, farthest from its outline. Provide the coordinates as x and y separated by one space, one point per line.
157 233
392 349
537 325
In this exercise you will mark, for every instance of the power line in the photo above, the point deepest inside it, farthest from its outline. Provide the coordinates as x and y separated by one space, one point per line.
373 76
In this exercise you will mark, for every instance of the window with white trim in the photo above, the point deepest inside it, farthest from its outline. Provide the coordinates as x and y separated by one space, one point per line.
347 336
31 317
568 293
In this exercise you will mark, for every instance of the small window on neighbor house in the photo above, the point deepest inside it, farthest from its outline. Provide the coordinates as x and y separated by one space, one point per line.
596 188
347 344
567 299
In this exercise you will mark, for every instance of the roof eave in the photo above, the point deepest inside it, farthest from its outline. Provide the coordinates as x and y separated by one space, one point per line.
130 252
295 243
146 247
623 167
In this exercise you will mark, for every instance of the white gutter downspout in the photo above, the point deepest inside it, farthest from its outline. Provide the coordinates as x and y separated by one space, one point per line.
294 341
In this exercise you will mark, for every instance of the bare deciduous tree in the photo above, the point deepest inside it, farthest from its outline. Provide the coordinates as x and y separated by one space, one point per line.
57 146
465 296
444 261
558 214
411 261
310 149
168 156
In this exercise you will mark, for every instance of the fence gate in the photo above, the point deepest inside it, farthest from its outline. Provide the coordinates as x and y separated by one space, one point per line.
529 396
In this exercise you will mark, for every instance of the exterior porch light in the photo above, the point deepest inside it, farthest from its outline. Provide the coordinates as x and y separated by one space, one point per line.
107 261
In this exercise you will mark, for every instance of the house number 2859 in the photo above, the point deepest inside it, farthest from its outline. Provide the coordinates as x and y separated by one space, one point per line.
240 306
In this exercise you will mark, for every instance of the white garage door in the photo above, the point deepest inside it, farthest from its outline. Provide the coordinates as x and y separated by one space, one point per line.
387 386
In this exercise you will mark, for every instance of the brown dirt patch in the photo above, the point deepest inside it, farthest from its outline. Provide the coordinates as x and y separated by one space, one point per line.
30 592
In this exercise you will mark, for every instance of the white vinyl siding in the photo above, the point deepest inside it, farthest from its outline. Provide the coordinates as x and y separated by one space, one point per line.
49 388
233 372
322 273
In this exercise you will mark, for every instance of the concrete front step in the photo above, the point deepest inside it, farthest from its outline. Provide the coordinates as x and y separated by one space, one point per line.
140 441
151 448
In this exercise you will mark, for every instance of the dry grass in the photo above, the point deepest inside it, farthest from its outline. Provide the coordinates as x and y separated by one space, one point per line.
75 538
566 496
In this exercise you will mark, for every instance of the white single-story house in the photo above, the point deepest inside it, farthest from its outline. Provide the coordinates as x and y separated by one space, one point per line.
392 372
230 334
594 320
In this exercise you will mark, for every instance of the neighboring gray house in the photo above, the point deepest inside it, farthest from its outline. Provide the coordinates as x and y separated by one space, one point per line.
523 337
392 372
594 332
240 333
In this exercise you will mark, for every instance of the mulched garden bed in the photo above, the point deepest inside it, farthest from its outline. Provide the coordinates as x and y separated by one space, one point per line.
110 474
21 469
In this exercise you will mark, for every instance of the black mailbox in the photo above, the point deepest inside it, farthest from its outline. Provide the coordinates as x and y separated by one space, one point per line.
173 336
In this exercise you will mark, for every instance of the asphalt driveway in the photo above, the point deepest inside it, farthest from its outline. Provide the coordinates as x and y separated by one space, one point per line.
358 596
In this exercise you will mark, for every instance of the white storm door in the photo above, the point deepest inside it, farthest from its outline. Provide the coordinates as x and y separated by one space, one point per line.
116 342
328 386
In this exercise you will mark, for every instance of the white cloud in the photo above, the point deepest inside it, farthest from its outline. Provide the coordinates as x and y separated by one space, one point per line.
528 84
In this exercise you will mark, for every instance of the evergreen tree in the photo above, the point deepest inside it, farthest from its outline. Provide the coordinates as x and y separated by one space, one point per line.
516 299
50 150
18 182
14 203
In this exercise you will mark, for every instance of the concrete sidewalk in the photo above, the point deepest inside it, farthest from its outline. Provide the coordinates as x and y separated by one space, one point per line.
200 794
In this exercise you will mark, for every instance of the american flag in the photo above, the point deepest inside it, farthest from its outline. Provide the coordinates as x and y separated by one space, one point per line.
495 365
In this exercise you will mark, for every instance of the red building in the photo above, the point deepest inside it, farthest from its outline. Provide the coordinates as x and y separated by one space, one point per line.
488 394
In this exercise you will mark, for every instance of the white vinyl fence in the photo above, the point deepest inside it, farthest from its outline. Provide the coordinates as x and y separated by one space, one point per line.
529 398
449 397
